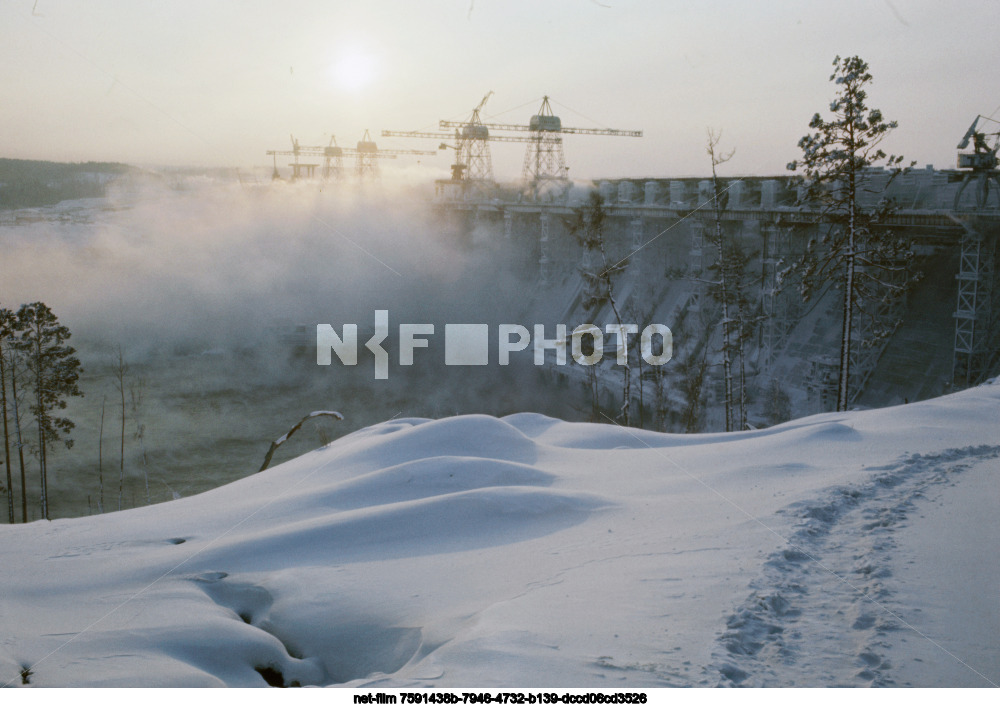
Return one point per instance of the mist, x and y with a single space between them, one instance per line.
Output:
219 263
212 291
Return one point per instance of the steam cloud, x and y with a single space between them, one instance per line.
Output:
219 264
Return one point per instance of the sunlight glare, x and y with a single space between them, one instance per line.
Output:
354 70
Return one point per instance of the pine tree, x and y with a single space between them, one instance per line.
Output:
6 333
729 289
53 372
743 321
11 376
854 252
119 370
642 318
723 287
13 362
588 226
100 457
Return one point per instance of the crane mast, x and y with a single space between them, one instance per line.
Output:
544 160
544 170
472 170
981 163
366 155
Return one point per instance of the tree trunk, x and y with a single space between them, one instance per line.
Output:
20 443
727 363
40 418
6 436
724 285
642 401
743 380
121 465
100 458
627 386
41 468
849 273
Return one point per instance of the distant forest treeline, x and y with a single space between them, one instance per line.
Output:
32 183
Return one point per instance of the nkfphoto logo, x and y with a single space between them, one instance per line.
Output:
470 344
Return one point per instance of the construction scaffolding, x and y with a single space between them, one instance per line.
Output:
977 329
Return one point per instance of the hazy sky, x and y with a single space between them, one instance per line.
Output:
218 82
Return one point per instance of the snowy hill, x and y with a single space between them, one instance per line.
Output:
841 549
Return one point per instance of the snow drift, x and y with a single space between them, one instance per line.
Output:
842 549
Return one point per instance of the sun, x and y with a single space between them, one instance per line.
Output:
354 70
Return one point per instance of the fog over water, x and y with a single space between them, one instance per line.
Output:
217 263
213 291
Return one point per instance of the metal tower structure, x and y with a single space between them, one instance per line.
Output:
366 155
982 165
473 147
333 160
299 169
472 170
977 314
333 157
544 160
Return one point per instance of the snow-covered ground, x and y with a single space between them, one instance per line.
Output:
837 550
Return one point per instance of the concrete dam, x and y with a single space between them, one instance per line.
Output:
942 335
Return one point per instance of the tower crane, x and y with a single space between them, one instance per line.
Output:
544 160
981 163
366 155
473 166
472 146
332 154
297 168
333 158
